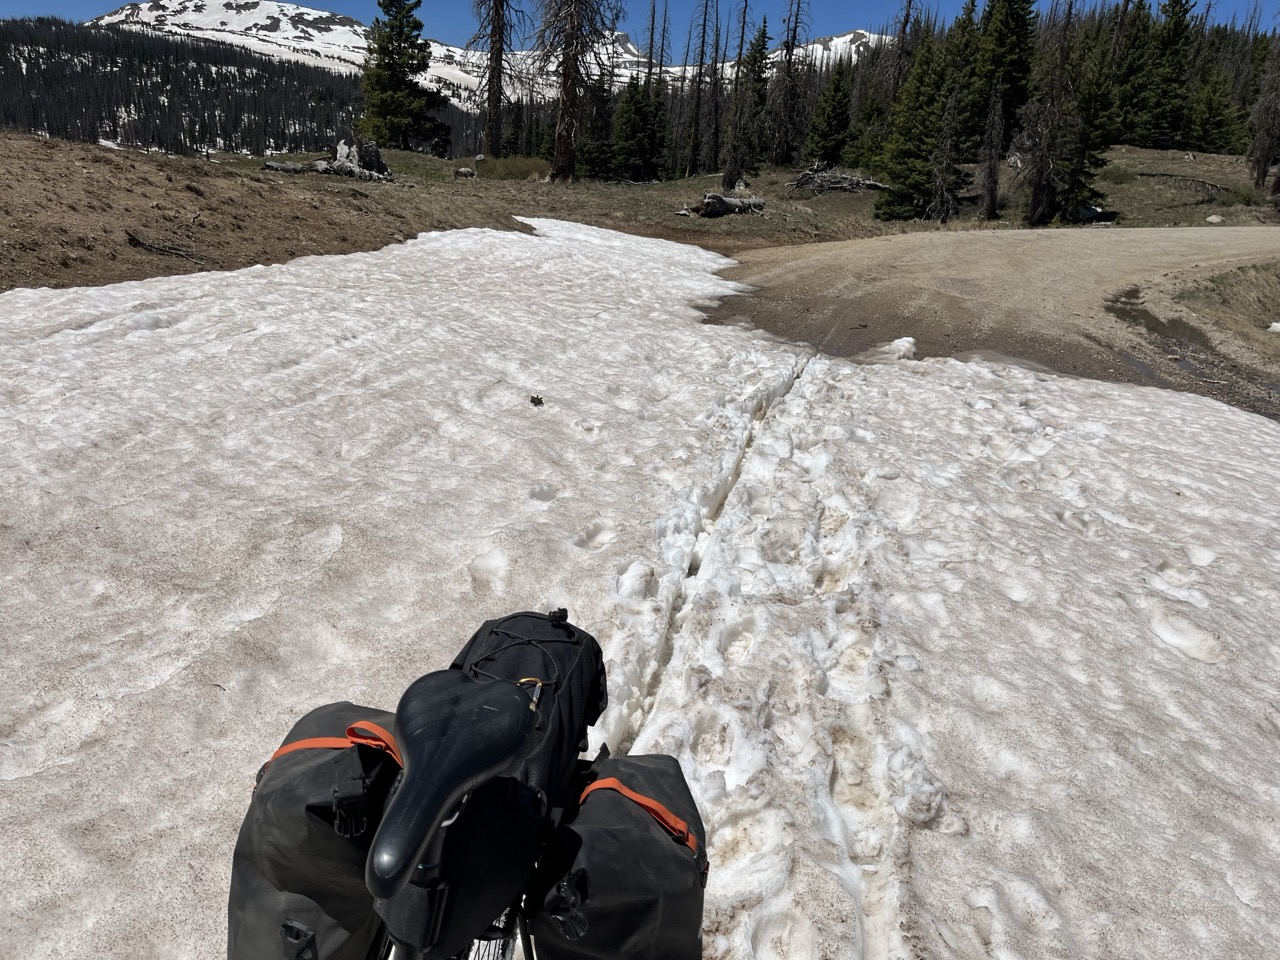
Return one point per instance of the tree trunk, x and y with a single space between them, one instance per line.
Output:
493 106
991 148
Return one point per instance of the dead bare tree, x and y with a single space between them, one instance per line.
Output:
497 20
568 37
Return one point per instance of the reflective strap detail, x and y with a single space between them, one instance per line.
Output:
363 732
381 738
666 819
327 743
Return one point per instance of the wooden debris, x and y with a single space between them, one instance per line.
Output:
819 178
1206 188
714 205
162 248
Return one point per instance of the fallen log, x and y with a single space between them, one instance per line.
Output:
715 205
1207 188
281 166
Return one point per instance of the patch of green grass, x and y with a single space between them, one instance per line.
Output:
1112 173
1240 197
408 165
511 168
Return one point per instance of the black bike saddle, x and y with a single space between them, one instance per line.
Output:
455 733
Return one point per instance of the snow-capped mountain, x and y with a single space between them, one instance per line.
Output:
265 26
338 42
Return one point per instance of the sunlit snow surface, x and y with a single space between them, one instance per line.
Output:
963 660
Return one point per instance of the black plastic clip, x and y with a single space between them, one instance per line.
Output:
299 941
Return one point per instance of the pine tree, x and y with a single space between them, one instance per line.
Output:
1060 142
785 110
829 129
744 141
496 20
397 109
1136 77
699 83
1216 124
871 103
989 159
1171 77
1265 119
962 43
639 133
1005 54
594 148
919 158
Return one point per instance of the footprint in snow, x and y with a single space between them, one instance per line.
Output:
544 492
1177 631
595 536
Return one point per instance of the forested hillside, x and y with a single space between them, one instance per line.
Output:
181 96
942 111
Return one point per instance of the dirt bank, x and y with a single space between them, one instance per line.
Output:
1094 303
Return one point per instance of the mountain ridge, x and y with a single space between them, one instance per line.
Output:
338 42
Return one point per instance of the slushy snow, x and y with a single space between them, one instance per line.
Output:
961 659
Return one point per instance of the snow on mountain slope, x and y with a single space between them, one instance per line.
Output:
338 42
275 29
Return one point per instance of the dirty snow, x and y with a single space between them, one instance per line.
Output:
963 660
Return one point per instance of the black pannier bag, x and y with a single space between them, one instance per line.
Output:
623 877
297 874
490 747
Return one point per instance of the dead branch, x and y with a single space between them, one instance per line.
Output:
1207 188
714 205
162 249
820 179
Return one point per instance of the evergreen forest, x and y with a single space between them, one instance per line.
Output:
76 82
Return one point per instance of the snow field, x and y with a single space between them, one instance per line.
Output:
228 498
960 659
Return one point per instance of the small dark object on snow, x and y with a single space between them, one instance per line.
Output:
536 400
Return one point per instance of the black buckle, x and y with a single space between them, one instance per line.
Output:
299 941
350 818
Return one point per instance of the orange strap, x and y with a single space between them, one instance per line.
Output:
666 819
362 732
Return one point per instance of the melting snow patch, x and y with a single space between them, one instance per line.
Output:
959 659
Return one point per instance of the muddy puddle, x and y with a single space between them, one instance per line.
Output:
1128 306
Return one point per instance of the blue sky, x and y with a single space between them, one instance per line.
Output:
454 23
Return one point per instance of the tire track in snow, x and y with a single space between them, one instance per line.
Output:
654 592
773 690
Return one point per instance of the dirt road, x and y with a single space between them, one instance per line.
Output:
1076 301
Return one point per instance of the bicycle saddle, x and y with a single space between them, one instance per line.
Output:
455 733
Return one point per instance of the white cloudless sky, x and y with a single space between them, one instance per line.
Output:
454 23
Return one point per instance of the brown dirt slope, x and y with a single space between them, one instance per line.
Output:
65 209
1109 304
